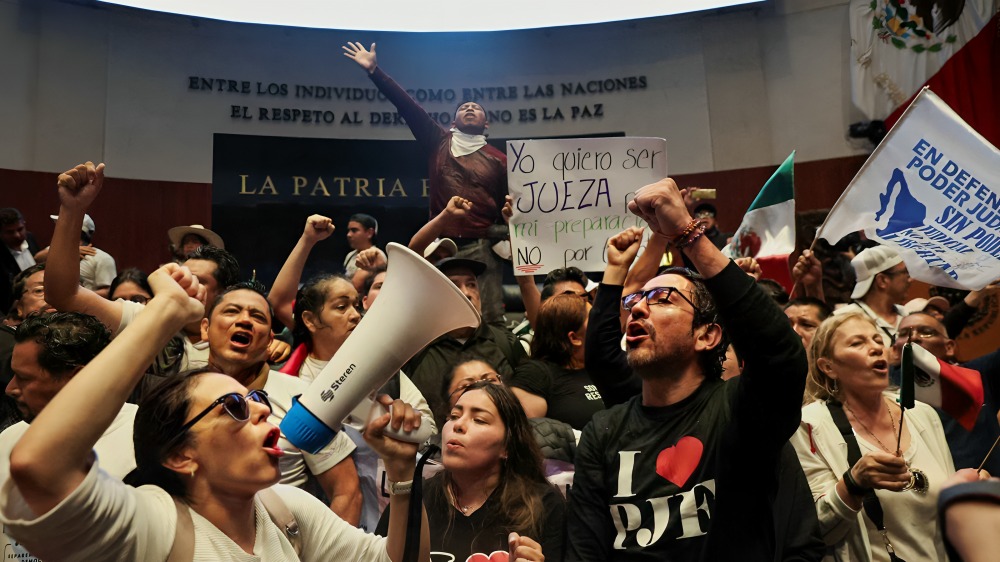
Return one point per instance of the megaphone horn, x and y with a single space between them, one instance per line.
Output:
414 294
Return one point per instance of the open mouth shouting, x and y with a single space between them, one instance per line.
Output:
271 443
635 333
881 367
241 339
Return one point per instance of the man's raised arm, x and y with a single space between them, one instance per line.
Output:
424 129
77 189
773 379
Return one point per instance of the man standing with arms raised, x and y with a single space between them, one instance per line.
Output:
459 163
687 469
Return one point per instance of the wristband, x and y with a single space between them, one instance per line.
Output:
400 488
686 231
698 232
852 485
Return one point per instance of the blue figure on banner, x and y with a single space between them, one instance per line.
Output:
907 212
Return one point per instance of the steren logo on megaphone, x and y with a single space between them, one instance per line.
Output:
378 347
327 395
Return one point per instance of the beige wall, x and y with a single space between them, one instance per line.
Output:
736 89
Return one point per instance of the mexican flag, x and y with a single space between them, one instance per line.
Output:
768 228
956 390
898 46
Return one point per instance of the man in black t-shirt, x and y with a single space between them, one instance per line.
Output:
686 470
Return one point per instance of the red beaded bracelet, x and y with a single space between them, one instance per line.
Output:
686 232
698 233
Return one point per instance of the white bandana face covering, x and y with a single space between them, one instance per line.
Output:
463 144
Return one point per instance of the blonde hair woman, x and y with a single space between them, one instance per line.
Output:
847 444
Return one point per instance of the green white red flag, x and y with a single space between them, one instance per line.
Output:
767 232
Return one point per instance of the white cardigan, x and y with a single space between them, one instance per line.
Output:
823 454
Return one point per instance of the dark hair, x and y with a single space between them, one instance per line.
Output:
366 221
440 404
706 208
312 297
227 269
156 435
252 286
557 317
68 340
366 285
10 215
705 313
21 279
520 507
822 308
773 290
130 275
463 102
573 274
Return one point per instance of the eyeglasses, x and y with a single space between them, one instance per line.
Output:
654 296
916 333
895 273
490 377
235 404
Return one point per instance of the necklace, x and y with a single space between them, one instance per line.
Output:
918 480
892 420
466 509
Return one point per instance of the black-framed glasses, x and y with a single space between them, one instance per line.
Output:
235 404
654 296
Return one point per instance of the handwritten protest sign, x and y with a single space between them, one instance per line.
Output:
570 196
932 190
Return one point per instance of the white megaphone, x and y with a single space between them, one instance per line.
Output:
417 304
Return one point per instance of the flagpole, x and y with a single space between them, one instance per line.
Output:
906 390
899 438
987 457
864 166
795 285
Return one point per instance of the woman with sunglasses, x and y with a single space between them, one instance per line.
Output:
202 440
897 467
553 383
492 494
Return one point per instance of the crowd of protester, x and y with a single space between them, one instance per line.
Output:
663 413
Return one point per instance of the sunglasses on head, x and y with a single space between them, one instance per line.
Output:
235 404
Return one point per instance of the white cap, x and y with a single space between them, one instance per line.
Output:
920 304
446 243
88 223
869 263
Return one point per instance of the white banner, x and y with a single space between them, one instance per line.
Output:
571 195
930 190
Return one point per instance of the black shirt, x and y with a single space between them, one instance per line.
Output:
455 536
570 394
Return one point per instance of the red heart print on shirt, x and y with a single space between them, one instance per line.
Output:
495 556
676 463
